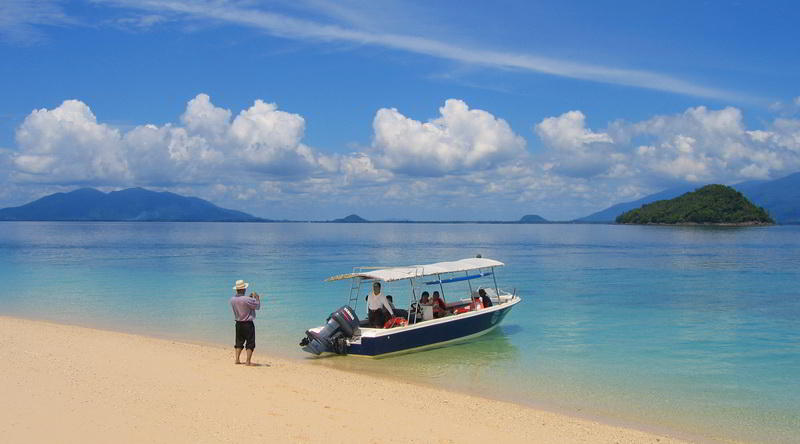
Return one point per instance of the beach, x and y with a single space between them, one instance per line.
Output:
66 383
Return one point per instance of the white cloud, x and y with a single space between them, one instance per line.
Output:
786 134
707 145
358 167
167 154
460 140
568 131
19 19
286 26
697 145
205 119
269 139
577 151
68 145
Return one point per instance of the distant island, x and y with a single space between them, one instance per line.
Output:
351 219
132 204
356 219
533 219
709 205
780 197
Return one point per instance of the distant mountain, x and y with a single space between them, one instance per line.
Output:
532 219
780 197
132 204
711 204
609 215
351 219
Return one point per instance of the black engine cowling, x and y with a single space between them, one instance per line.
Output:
341 324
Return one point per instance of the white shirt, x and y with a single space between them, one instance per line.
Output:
375 301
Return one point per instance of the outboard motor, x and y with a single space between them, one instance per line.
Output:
341 325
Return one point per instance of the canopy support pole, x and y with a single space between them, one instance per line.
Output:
413 302
496 290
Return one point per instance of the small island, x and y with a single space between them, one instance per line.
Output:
533 219
709 205
351 219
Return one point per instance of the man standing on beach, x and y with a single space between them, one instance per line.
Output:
244 310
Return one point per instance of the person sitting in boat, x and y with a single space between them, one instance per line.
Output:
425 298
485 300
376 302
425 306
439 306
398 312
476 303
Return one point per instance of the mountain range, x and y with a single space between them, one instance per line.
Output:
132 204
780 197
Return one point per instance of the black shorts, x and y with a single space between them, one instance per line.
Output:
376 318
245 335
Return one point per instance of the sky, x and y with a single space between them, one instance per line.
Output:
313 110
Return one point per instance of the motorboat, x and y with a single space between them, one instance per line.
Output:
473 306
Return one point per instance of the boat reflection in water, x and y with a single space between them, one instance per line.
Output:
477 365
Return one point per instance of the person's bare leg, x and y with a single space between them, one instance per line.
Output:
239 353
249 355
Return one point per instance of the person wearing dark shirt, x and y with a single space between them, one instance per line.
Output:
487 302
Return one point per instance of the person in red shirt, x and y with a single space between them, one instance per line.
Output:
439 306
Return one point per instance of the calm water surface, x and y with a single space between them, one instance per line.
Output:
689 329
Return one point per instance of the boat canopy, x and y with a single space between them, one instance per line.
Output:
417 271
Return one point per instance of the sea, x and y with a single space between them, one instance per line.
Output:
687 330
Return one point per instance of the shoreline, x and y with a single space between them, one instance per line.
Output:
71 353
702 224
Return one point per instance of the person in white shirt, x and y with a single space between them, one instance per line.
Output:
376 301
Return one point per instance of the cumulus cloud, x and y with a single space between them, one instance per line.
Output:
203 118
697 145
577 151
168 155
460 140
704 145
68 145
568 131
269 139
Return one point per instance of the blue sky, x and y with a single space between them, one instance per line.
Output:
422 110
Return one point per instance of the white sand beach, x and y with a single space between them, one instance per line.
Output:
74 384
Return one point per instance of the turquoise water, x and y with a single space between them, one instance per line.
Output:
689 329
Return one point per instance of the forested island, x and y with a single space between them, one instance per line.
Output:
710 205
